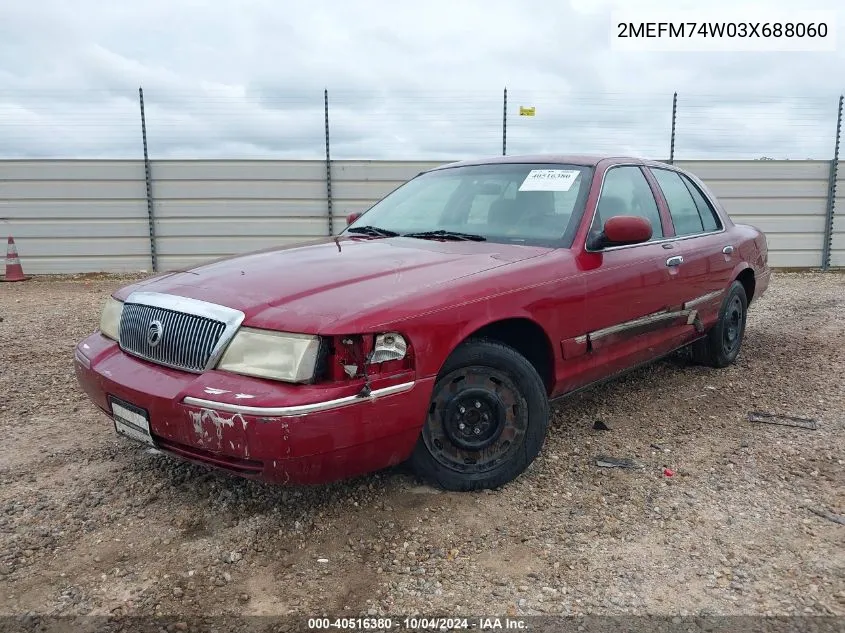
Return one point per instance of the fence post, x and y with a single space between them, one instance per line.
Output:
827 243
674 119
328 164
149 182
505 123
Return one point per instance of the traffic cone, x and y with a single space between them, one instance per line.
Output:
14 270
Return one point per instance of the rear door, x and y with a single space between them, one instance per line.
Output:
702 242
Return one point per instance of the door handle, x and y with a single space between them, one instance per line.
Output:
677 260
728 249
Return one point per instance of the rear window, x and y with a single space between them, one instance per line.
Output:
709 217
682 207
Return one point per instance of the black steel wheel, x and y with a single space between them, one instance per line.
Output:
721 346
487 419
734 320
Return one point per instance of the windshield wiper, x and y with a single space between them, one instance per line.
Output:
372 231
447 235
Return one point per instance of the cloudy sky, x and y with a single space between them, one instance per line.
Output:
245 78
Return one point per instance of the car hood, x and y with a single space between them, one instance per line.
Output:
307 287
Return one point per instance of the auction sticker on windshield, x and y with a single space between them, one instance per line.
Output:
549 180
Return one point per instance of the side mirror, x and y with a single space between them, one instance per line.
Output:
620 231
352 217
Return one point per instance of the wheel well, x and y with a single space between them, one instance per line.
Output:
529 339
746 278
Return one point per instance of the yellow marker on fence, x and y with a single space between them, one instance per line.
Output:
529 111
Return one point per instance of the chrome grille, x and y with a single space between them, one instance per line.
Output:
187 341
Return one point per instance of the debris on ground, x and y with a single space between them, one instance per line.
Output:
598 425
836 518
616 462
782 420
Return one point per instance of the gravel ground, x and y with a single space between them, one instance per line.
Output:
91 524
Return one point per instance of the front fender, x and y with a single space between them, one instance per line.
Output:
474 325
437 339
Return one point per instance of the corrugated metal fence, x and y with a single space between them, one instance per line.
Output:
87 215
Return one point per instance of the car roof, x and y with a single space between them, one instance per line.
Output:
588 160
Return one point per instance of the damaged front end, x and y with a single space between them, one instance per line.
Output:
283 407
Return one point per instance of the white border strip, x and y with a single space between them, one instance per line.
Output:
298 409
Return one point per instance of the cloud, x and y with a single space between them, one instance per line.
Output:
224 78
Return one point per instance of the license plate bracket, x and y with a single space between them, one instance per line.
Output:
131 421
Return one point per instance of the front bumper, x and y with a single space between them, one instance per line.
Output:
281 433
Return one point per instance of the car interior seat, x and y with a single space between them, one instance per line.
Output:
501 213
535 204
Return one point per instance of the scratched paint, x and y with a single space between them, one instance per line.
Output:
198 418
286 436
215 391
243 396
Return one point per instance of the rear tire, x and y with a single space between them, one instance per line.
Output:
722 344
487 419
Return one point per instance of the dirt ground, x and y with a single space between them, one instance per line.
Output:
93 524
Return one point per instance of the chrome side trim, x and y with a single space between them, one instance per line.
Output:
703 299
298 409
231 317
661 241
635 323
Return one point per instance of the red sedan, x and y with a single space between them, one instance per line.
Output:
435 329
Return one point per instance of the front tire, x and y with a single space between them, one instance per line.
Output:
487 420
721 346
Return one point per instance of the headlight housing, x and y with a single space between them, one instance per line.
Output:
390 346
270 354
110 318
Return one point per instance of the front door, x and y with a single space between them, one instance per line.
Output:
632 293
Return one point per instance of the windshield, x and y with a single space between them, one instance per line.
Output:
501 202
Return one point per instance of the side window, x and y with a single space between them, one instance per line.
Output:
682 207
625 191
709 218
